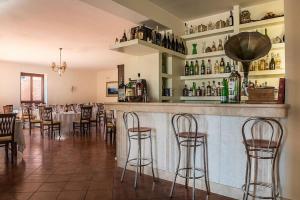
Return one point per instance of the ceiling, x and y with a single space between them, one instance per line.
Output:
32 31
192 9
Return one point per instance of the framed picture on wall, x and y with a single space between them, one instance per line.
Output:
112 89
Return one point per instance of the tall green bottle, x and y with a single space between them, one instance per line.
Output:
224 91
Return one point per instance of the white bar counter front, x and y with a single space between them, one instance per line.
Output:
223 125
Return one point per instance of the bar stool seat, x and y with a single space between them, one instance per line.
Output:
262 144
191 135
140 129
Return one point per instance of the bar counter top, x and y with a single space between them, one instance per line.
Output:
243 110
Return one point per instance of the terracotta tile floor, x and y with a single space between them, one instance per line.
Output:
77 168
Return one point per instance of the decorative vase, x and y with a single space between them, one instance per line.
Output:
194 51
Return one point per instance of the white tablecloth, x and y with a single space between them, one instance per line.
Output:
66 119
19 136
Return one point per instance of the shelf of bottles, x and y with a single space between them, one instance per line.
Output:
143 41
262 23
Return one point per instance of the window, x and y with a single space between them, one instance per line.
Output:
32 88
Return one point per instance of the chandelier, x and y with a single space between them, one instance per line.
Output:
61 68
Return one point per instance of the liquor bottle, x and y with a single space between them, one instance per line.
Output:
173 46
198 91
214 48
219 89
169 43
217 67
234 87
227 68
203 89
220 47
176 45
231 19
124 38
197 68
139 86
122 92
153 36
164 42
183 47
272 63
202 68
158 37
277 61
192 68
208 89
186 69
185 91
255 66
267 67
262 64
222 66
186 30
224 91
145 95
194 89
209 67
190 92
214 89
130 91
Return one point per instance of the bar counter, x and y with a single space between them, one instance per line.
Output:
221 122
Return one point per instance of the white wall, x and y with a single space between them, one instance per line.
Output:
293 97
59 88
104 76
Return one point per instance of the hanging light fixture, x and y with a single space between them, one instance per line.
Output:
61 68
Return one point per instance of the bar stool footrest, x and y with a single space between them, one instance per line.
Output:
145 162
261 185
183 170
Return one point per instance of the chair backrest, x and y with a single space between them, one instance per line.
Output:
100 109
86 113
41 110
109 116
262 134
7 125
131 120
185 128
25 109
47 114
8 109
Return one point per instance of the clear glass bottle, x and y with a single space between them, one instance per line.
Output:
214 48
214 89
209 67
203 89
208 89
217 67
277 61
220 47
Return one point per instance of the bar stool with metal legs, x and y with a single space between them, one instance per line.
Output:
262 139
185 128
137 133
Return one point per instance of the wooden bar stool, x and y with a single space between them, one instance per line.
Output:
185 128
137 133
262 139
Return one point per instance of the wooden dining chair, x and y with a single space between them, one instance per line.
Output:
96 121
84 123
7 130
25 114
8 109
110 125
33 120
48 124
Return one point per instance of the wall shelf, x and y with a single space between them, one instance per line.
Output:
208 33
278 46
206 55
138 47
269 73
201 98
165 75
201 77
262 23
